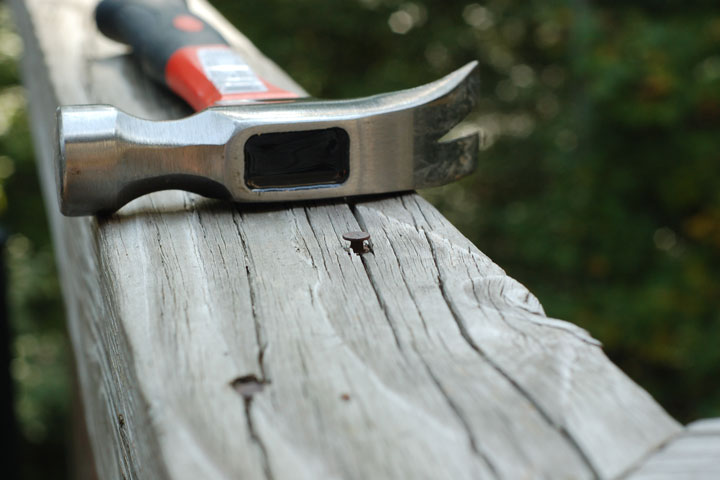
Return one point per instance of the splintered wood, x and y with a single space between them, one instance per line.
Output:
226 341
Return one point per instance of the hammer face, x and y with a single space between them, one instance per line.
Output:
269 152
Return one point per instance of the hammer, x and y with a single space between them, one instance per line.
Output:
251 140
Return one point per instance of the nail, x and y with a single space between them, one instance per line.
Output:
357 241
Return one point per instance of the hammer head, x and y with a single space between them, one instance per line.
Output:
269 152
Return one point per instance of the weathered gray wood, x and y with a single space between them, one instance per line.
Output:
82 463
709 425
692 455
220 341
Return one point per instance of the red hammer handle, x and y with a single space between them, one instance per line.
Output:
183 52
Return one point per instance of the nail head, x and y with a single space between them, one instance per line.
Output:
357 241
356 236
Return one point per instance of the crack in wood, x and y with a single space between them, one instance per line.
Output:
451 403
315 235
649 454
361 221
461 418
251 387
257 440
378 296
468 338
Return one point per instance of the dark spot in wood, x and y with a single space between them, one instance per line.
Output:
345 397
248 385
121 420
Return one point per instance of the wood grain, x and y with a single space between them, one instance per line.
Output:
692 455
226 341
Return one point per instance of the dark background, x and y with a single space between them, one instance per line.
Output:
597 186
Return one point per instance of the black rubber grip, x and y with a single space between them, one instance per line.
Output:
155 29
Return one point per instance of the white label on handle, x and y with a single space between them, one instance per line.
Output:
229 72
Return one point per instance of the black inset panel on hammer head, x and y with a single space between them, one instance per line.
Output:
297 159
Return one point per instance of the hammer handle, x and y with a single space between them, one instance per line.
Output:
180 50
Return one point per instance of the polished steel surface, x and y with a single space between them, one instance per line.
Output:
105 158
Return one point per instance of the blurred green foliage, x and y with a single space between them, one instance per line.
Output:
41 360
597 186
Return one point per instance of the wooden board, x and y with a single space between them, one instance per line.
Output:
227 341
692 455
